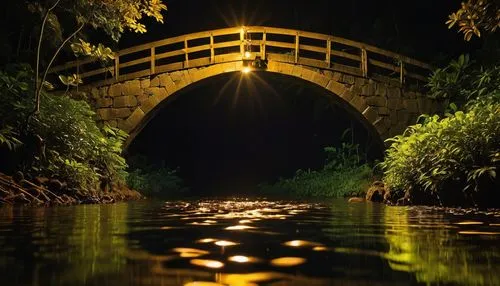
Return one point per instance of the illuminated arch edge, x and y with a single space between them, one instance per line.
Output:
348 96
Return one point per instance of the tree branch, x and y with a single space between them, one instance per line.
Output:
37 69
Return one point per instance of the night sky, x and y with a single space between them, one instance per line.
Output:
224 141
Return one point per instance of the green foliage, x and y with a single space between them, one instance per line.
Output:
462 149
324 183
344 174
461 81
153 179
474 16
65 141
9 138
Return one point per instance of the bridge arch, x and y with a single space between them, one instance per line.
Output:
372 83
163 87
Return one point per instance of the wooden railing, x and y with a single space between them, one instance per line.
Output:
240 43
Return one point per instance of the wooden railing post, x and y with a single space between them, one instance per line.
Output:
297 47
263 46
364 62
328 52
242 42
212 50
153 61
117 66
186 55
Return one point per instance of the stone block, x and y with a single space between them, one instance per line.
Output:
145 83
307 74
125 101
162 94
376 101
348 95
187 76
395 103
393 117
382 124
335 87
155 82
381 90
166 80
403 116
320 79
115 90
359 103
393 92
370 113
103 91
149 104
337 76
134 120
360 81
104 113
177 75
349 79
297 70
383 111
368 89
120 112
287 68
132 87
141 98
410 105
104 102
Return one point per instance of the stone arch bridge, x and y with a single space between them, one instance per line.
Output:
377 86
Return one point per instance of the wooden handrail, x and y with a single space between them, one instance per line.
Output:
164 55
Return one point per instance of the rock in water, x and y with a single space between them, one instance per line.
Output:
376 192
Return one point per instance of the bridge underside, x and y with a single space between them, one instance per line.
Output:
384 108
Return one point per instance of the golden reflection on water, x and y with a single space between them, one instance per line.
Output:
224 243
207 263
189 246
239 227
470 223
472 232
301 243
287 261
239 258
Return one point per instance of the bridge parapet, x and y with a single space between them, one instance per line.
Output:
246 43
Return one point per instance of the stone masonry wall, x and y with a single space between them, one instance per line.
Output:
386 106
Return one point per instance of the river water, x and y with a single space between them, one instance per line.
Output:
248 242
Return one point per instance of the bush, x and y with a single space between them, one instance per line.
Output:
449 161
63 141
153 179
343 175
463 81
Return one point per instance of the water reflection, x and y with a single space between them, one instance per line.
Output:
243 242
58 246
423 242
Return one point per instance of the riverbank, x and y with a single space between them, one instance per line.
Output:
18 191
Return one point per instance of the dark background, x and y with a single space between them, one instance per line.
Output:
228 141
